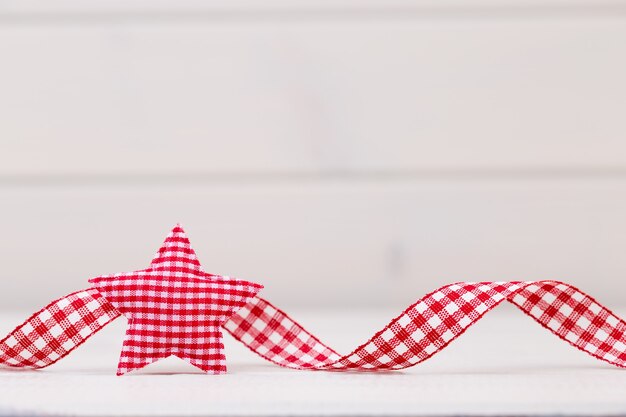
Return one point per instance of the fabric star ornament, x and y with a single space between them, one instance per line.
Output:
174 308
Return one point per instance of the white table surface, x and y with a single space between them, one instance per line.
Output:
506 364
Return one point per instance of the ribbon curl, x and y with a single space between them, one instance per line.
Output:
422 330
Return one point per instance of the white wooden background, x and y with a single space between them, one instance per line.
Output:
341 153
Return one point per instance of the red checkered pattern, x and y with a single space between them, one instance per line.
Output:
430 324
575 317
174 308
56 330
273 335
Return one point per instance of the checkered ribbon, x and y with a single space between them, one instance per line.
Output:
422 330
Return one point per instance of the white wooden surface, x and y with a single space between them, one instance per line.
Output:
321 244
505 365
383 148
187 96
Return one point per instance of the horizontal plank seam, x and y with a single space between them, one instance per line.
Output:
486 11
310 177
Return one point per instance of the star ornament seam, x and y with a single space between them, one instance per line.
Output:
174 308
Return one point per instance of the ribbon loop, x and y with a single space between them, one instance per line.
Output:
421 331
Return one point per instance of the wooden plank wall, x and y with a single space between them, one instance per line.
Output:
341 153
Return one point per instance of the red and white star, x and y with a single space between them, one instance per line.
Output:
174 308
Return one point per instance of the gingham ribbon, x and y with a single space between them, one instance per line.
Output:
421 331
